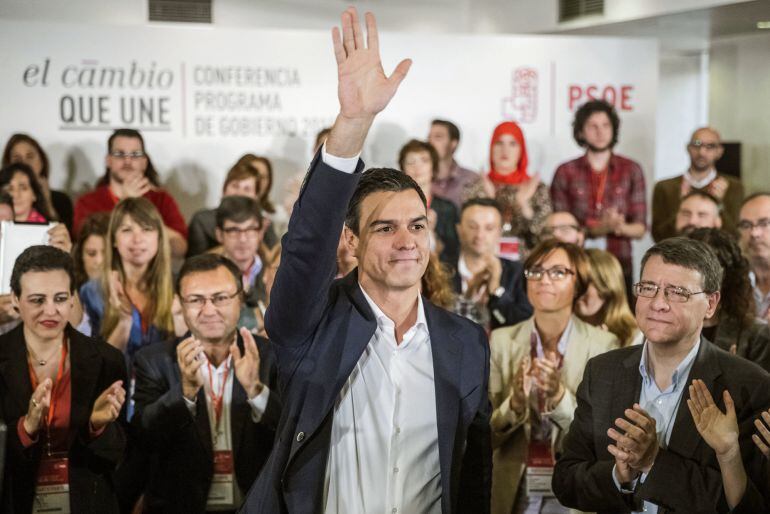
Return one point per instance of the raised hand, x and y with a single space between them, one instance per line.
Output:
363 88
547 377
638 444
719 430
190 358
38 407
763 442
59 237
247 365
118 297
135 187
107 406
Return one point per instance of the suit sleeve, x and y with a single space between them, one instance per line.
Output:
581 480
308 253
513 306
475 488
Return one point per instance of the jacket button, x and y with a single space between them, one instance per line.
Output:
300 436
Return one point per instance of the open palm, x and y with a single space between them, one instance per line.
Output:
364 90
718 429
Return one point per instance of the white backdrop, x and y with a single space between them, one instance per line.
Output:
204 96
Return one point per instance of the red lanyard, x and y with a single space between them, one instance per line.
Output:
54 390
218 400
598 185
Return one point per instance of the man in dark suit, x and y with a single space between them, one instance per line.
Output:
204 404
385 395
633 446
491 290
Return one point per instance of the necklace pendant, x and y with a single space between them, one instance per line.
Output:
41 362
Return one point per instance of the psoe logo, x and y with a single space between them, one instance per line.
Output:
521 106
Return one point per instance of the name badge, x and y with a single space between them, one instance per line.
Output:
540 465
509 248
52 490
221 492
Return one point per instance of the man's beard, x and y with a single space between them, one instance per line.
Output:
596 149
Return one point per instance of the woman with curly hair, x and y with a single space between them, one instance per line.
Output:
604 304
734 327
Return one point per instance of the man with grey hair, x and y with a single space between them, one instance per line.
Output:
633 446
705 149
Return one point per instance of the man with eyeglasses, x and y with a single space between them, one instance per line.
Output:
130 173
705 149
240 230
754 229
563 226
205 402
632 445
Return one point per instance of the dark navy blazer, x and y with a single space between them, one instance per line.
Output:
320 327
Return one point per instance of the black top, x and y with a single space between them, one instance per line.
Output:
62 204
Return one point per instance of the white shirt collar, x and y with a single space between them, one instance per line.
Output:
384 321
700 184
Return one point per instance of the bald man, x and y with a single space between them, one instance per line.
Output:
705 149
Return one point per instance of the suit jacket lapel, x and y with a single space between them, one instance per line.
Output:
84 375
240 411
628 386
576 355
446 352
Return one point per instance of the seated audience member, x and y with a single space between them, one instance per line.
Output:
130 174
60 395
698 209
754 229
29 203
722 434
264 169
131 305
25 149
523 198
629 447
240 228
419 160
705 149
734 327
604 190
205 402
535 369
604 303
563 226
243 179
490 290
88 256
451 180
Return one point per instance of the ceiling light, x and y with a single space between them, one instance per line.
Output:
763 24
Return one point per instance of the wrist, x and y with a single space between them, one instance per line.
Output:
516 407
254 391
557 397
732 454
190 391
30 428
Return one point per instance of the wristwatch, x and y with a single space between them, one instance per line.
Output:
500 291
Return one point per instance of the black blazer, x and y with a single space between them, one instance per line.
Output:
513 306
182 456
320 328
446 228
94 366
685 476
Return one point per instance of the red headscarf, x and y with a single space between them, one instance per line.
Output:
519 175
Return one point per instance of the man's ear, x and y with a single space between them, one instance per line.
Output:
713 300
218 234
351 240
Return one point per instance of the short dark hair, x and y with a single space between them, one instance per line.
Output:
375 180
208 262
754 196
700 193
481 202
238 209
691 254
454 132
585 111
149 172
417 146
576 255
41 258
40 204
5 199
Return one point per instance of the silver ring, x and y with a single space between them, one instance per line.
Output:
34 403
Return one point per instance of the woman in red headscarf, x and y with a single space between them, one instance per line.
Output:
523 198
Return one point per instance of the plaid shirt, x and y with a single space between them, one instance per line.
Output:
571 191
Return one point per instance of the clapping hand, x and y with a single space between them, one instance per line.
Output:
38 407
719 430
107 406
763 442
636 448
247 365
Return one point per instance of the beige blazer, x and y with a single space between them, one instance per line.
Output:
510 433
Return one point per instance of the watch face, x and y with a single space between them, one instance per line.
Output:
500 291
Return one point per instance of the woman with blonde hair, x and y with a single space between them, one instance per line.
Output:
131 304
604 303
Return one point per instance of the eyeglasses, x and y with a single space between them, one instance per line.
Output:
556 273
218 300
127 155
549 231
700 144
237 231
747 226
673 294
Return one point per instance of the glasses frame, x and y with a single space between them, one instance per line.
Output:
536 274
132 156
667 292
748 226
224 301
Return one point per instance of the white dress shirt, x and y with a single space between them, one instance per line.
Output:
383 455
221 439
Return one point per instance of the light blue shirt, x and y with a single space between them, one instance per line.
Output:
662 405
